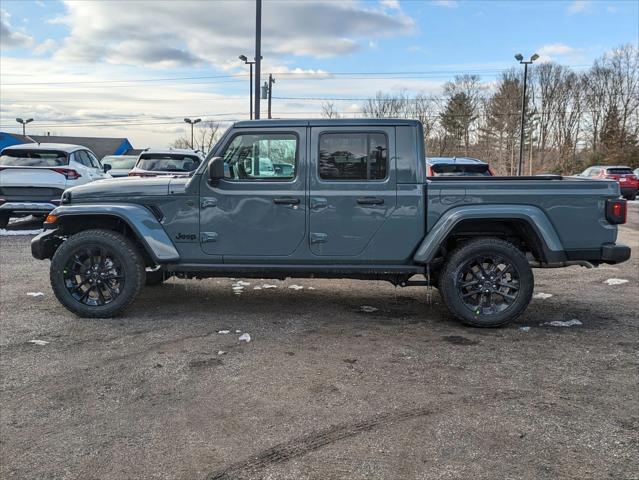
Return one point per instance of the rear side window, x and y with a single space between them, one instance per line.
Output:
353 156
33 158
168 162
619 171
261 156
82 157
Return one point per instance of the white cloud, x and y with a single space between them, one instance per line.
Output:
391 4
446 3
9 37
578 6
47 46
40 3
193 33
556 51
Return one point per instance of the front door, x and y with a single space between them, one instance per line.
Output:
259 208
352 189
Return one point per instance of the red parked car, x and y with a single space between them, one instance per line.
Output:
628 181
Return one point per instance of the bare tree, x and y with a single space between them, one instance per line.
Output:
204 138
329 110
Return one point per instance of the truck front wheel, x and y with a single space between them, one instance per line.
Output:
486 282
97 273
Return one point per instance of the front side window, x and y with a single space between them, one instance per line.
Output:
261 156
353 156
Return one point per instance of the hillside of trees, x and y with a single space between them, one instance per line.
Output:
574 118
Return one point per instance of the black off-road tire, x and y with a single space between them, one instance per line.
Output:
451 290
4 219
129 257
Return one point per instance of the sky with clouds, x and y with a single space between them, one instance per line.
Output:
137 68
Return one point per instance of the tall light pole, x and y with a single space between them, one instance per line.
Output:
250 64
258 54
24 124
520 58
192 122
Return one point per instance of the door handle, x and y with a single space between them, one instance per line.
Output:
286 201
370 201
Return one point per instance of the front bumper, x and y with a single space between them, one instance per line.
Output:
45 244
27 207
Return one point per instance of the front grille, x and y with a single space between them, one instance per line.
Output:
37 194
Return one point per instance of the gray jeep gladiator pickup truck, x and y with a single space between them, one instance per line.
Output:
328 199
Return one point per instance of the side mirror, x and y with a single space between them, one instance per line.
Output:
106 167
216 169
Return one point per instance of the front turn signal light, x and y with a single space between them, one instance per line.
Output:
51 218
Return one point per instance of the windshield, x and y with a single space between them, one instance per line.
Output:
451 170
169 162
123 163
33 158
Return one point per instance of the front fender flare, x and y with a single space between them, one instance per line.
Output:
141 221
533 216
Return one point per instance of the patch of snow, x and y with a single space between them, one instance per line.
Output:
368 309
257 288
616 281
221 352
35 294
296 287
268 285
8 233
311 288
558 323
542 296
245 337
238 331
241 283
524 329
224 332
39 342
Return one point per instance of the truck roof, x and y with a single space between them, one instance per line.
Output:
322 122
62 147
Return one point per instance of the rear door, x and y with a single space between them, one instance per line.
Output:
258 211
352 189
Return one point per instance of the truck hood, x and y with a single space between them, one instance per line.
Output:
127 187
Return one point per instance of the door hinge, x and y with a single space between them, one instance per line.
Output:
207 237
319 237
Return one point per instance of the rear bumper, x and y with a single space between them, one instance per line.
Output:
608 253
45 244
628 190
27 207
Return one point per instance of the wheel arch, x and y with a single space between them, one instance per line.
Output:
526 226
133 221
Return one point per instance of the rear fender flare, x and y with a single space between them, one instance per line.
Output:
533 216
139 219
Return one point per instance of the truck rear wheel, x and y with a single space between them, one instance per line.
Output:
97 273
4 219
487 282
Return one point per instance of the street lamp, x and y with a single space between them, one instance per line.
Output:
192 122
250 64
520 58
24 123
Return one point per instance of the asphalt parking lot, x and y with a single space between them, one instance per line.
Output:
325 389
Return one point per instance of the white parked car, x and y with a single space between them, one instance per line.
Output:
34 175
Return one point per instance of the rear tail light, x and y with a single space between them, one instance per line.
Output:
69 173
616 211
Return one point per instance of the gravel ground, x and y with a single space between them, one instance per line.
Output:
324 390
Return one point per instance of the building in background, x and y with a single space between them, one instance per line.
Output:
101 146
